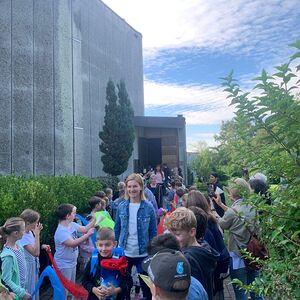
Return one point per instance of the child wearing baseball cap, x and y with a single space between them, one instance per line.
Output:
170 275
168 241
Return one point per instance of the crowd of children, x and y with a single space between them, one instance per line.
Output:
188 260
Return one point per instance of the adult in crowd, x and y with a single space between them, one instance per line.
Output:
238 220
160 181
151 198
156 189
167 173
135 226
176 175
216 187
176 198
170 196
152 185
109 200
159 173
260 176
180 173
259 186
119 199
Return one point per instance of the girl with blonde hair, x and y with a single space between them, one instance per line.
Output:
31 244
13 268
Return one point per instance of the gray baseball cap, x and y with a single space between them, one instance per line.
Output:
169 270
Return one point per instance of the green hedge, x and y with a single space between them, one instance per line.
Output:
44 194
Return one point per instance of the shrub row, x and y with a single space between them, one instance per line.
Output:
44 194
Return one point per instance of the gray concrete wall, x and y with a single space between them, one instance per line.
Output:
56 57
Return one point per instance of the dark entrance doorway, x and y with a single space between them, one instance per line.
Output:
150 153
154 152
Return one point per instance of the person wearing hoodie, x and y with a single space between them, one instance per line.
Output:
202 257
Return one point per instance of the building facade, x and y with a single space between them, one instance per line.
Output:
56 57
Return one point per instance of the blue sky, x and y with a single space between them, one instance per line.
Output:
189 44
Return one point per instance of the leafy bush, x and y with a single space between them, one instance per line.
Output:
264 135
44 194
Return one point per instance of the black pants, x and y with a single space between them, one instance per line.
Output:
137 261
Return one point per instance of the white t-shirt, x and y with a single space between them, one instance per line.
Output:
66 257
28 239
219 191
159 177
132 245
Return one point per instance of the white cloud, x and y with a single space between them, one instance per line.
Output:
170 94
215 25
209 103
209 117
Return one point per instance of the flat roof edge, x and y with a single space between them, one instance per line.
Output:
163 122
121 18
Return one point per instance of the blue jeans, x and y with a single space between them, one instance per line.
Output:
137 261
246 277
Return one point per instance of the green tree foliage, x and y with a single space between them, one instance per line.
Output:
127 128
264 135
117 135
228 143
203 164
208 160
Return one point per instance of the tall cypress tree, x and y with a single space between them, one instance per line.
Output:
127 129
117 134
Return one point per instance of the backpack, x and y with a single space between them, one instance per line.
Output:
255 248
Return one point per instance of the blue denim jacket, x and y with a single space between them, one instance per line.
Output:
146 224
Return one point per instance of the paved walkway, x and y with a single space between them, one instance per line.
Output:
228 290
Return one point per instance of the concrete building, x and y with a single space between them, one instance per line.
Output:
56 57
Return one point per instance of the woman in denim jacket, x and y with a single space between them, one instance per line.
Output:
135 226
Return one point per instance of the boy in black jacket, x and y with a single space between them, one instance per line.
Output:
92 280
182 223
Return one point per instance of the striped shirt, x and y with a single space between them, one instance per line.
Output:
21 264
